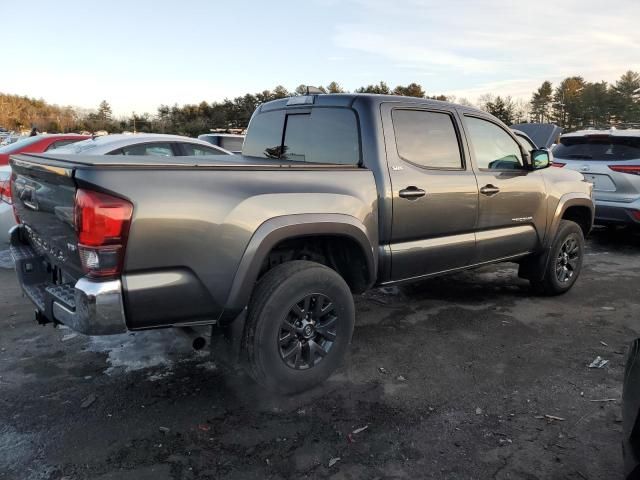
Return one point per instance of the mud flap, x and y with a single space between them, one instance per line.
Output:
534 266
227 341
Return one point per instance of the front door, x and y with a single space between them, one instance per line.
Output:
512 206
435 194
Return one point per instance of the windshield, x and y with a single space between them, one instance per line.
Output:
14 147
598 147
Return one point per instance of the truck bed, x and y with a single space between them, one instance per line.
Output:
150 161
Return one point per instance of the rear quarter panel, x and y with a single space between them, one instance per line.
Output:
197 223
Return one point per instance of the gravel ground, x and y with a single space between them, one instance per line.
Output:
454 378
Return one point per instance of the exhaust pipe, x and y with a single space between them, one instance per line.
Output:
198 342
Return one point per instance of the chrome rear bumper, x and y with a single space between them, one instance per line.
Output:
89 307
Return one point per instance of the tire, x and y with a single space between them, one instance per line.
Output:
294 312
562 268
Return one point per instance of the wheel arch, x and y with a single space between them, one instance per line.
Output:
576 207
280 229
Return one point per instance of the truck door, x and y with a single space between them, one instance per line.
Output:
512 205
435 194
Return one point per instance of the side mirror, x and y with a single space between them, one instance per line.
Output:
541 158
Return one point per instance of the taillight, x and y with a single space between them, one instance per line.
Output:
5 191
558 164
102 224
631 169
635 214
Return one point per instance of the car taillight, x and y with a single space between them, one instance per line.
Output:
5 191
631 169
635 214
558 164
102 224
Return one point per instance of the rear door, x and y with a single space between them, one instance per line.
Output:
435 194
512 205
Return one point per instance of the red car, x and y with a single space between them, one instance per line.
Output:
39 144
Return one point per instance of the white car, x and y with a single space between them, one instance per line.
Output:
7 220
144 144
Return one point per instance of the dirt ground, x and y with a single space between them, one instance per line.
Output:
450 378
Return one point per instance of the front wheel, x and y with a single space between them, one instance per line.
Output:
565 260
299 326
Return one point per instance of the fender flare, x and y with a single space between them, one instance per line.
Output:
534 267
277 229
566 201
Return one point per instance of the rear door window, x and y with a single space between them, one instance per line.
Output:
322 135
427 139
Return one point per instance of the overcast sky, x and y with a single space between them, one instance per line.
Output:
138 54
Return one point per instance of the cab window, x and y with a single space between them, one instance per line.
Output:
427 139
494 148
321 135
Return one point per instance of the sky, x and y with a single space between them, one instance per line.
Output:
138 54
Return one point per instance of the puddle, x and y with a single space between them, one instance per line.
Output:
136 351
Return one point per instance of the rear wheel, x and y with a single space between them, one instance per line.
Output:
299 326
565 260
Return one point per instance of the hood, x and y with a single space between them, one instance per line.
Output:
543 134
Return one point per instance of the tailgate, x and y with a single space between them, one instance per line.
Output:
44 195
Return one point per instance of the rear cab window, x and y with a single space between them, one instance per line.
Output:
324 135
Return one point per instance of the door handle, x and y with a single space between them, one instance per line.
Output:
489 190
412 193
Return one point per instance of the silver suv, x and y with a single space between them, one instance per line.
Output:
610 159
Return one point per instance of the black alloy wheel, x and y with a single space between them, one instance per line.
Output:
308 331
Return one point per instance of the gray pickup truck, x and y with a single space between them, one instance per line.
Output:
333 194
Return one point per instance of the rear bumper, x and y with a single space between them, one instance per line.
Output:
89 307
616 212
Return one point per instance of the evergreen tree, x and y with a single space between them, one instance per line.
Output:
411 90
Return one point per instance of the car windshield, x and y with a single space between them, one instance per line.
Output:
14 147
598 147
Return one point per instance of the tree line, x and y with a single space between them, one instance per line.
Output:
574 103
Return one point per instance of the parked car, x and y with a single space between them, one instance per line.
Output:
38 144
544 135
10 138
228 141
144 144
610 159
7 220
333 194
